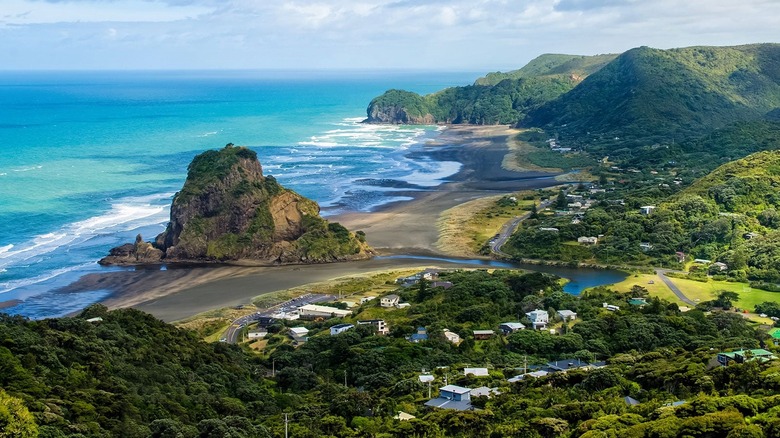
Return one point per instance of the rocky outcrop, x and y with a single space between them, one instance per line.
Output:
397 115
228 211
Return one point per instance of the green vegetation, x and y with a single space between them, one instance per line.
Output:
576 66
648 96
210 167
130 375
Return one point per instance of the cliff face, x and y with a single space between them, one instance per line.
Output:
396 114
227 211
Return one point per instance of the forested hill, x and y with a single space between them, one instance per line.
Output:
648 95
576 66
498 98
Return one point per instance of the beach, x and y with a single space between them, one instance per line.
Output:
404 227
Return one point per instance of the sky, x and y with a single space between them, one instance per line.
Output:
455 35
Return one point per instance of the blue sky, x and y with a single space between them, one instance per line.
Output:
465 35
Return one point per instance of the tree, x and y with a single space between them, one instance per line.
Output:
726 298
561 202
15 420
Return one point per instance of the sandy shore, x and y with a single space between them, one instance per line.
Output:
407 227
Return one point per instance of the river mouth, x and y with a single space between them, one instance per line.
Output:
579 278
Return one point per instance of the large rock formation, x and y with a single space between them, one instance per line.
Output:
228 211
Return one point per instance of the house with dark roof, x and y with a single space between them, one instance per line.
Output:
419 336
510 327
452 397
565 365
742 356
340 328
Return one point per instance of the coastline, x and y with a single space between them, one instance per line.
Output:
402 227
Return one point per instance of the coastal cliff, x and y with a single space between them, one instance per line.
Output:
228 211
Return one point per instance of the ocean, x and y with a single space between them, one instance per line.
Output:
90 159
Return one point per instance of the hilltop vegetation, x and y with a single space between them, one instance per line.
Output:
498 98
650 96
130 375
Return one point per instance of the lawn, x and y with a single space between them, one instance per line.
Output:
748 296
656 289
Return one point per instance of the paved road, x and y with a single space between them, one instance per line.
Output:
509 228
231 336
662 273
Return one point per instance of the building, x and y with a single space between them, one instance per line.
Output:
721 266
742 356
645 246
258 333
380 324
610 307
551 229
702 261
637 302
482 335
564 365
630 401
403 416
265 321
510 327
340 328
567 315
419 336
95 319
587 240
425 378
476 372
647 209
452 337
364 300
299 334
452 397
539 318
312 311
403 305
484 391
775 334
390 300
442 284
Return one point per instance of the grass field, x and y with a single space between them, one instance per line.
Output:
465 228
748 296
657 288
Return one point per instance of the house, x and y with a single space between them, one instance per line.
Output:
680 256
425 378
403 416
775 334
721 266
510 327
574 205
564 365
647 209
630 401
750 235
389 300
364 300
702 261
95 319
452 397
451 337
567 315
313 311
403 305
742 356
340 328
442 284
419 336
299 334
587 240
637 302
610 307
535 374
476 372
539 318
484 391
553 230
258 333
380 324
482 335
645 246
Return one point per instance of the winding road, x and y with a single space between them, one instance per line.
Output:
509 228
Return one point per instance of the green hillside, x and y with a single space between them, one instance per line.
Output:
552 64
128 375
650 96
498 98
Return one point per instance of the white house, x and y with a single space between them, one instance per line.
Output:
587 240
452 397
567 315
539 318
647 209
389 300
340 328
299 333
476 372
257 333
366 299
452 336
610 307
380 324
313 311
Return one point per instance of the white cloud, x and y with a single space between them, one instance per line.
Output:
463 34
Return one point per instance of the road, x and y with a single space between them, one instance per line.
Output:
233 332
509 228
662 273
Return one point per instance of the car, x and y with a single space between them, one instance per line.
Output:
223 340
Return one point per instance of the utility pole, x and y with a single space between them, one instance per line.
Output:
525 363
429 389
345 377
273 368
285 425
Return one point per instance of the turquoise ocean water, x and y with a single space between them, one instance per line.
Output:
90 159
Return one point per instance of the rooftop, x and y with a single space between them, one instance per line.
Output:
455 389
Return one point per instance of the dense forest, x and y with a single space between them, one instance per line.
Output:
127 374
